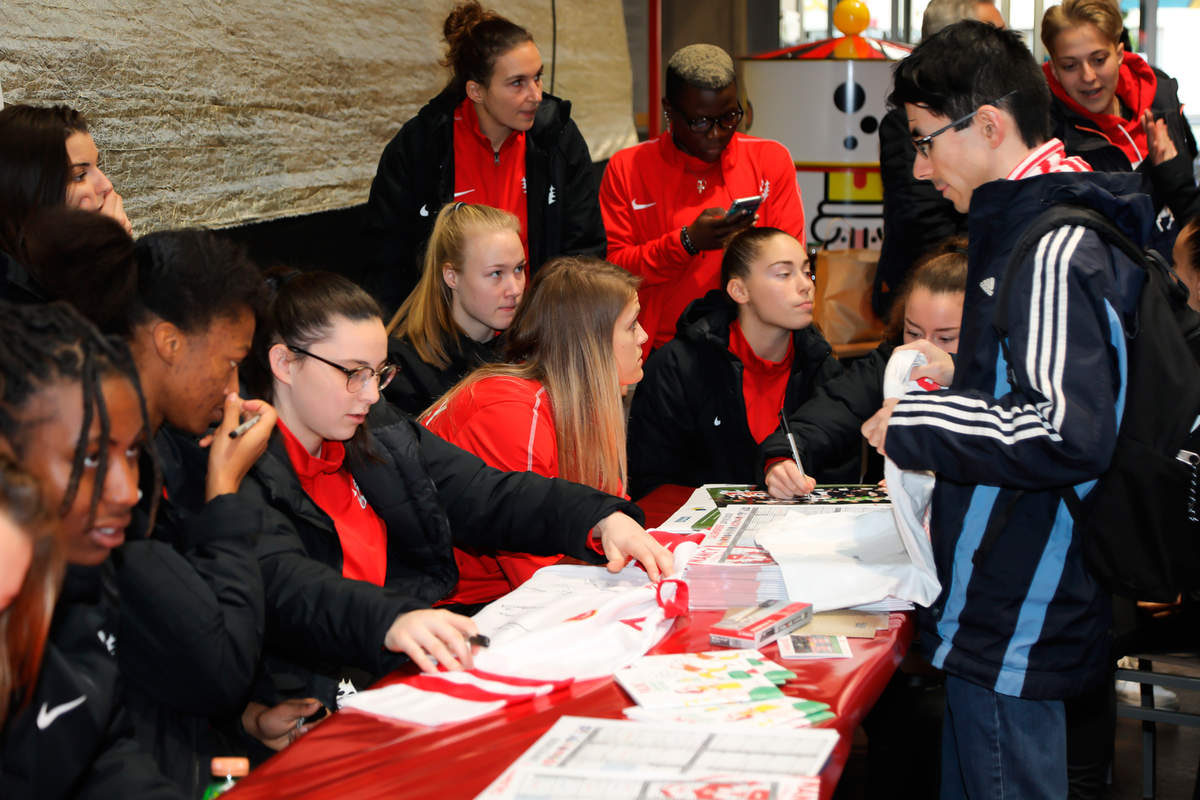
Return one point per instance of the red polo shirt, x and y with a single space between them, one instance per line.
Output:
360 531
482 175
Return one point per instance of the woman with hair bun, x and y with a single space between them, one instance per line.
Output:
493 137
573 350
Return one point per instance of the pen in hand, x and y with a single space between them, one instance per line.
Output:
245 426
787 429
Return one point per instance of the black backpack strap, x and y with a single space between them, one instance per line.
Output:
1052 219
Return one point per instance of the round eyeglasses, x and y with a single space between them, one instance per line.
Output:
356 379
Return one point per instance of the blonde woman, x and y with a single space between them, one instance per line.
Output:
555 409
470 288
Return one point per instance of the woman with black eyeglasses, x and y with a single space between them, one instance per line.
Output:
668 203
360 519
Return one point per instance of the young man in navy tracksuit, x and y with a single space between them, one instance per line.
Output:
1020 625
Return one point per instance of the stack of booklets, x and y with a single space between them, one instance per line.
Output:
717 686
730 569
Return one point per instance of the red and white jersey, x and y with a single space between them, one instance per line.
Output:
653 189
1048 157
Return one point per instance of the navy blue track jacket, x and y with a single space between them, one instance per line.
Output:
1027 620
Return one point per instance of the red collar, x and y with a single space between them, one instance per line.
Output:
1136 87
305 463
466 112
740 347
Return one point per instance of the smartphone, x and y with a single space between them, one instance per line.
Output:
744 204
316 716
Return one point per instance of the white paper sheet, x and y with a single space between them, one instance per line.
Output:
845 560
579 748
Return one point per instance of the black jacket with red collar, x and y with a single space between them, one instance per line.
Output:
687 423
415 179
1172 183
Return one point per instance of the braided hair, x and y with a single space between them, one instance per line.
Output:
42 344
25 623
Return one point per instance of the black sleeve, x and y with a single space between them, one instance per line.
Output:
394 228
1173 185
490 509
915 215
660 430
122 769
829 424
192 613
583 227
312 611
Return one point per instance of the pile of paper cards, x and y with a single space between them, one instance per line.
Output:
725 686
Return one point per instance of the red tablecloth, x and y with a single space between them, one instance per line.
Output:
355 755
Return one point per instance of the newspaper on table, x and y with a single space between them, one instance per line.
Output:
620 759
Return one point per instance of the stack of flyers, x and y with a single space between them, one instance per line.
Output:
730 569
806 646
708 678
783 712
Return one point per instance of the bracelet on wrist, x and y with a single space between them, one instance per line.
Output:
687 243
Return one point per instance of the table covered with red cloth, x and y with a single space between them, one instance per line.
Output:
354 755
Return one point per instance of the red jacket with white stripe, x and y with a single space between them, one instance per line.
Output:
508 422
653 189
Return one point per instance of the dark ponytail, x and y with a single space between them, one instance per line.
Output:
475 38
300 311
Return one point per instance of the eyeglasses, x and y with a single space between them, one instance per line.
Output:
922 144
357 378
729 121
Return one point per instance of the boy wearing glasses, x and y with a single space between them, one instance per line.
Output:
665 202
1020 625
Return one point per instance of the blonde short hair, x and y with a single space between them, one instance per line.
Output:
1104 14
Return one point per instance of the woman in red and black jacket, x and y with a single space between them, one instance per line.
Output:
360 518
493 137
1114 109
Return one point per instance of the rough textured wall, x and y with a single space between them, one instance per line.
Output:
221 112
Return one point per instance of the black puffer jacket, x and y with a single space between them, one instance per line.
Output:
1172 183
74 739
687 424
415 179
431 495
830 424
417 383
192 614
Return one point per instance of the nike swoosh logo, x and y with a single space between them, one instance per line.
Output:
639 206
47 715
464 191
